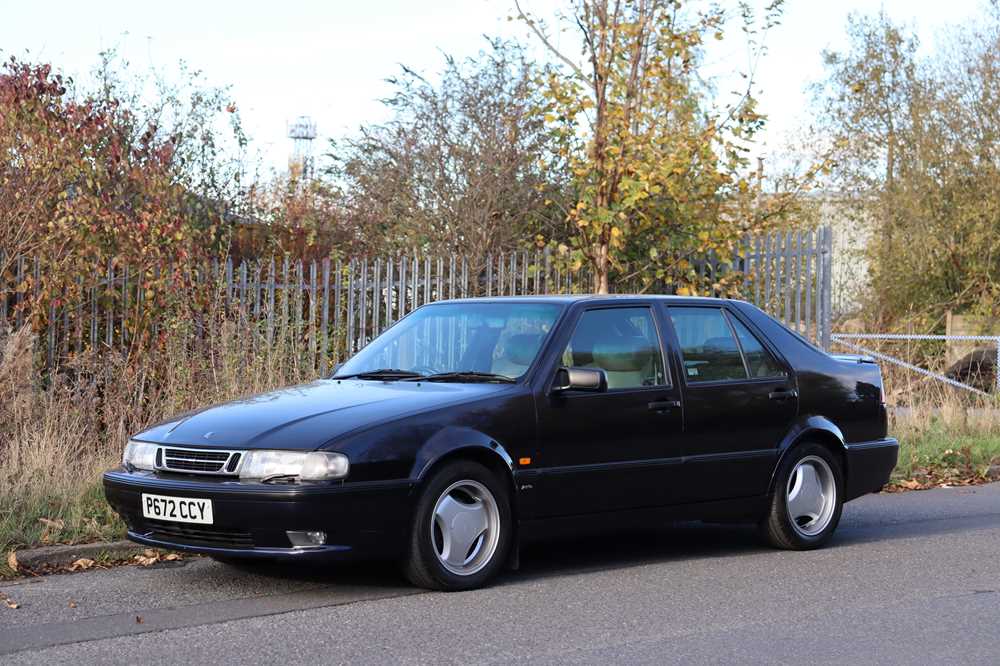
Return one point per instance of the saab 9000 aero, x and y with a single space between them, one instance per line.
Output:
474 424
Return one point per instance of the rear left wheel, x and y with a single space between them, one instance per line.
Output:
462 529
807 501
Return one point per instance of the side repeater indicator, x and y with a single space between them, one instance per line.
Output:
523 461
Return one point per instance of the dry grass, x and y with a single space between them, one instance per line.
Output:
59 432
946 435
947 442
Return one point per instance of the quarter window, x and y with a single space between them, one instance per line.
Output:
708 346
760 363
621 341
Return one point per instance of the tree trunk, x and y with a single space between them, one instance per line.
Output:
601 270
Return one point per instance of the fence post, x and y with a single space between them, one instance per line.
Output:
109 294
377 297
414 281
827 286
363 305
809 281
3 289
325 317
996 365
312 315
350 309
798 281
337 277
271 277
388 292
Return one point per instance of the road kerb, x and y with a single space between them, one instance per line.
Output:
54 557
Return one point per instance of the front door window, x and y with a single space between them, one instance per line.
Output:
621 341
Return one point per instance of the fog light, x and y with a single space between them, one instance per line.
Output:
306 539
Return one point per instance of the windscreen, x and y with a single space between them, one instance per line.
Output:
497 338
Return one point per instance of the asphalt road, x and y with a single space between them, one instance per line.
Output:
911 577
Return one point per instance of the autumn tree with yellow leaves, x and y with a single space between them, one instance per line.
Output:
659 172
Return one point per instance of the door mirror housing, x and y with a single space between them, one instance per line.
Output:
580 379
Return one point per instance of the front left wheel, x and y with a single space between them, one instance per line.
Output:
462 529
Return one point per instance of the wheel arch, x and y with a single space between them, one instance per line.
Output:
465 444
817 429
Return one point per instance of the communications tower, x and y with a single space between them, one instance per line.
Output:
301 131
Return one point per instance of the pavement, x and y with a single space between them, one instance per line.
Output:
909 577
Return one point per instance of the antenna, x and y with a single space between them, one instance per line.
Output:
301 131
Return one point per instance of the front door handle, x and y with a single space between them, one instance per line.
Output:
783 394
663 405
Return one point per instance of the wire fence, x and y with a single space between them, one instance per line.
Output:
852 341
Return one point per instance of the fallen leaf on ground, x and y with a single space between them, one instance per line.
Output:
81 564
71 604
10 603
170 557
146 558
56 524
138 619
12 560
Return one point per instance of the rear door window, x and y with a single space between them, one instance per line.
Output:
708 346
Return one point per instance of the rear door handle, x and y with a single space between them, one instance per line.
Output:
663 405
783 394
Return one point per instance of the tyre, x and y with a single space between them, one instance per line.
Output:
462 529
807 501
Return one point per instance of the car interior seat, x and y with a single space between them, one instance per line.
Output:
628 362
721 359
517 354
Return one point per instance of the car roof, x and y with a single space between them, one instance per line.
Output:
566 299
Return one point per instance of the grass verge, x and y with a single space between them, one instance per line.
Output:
941 458
59 516
60 431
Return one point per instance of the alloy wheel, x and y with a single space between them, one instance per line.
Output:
811 496
465 527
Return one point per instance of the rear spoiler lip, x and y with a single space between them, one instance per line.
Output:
854 358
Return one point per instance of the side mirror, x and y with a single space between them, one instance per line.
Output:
580 379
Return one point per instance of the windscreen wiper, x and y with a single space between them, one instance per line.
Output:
464 375
382 373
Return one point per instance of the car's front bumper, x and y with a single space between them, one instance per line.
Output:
869 466
251 519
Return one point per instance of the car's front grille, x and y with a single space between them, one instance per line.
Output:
195 461
202 535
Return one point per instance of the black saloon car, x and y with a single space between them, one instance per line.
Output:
474 424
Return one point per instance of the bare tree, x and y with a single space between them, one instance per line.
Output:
457 168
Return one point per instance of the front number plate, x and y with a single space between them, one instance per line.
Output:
177 509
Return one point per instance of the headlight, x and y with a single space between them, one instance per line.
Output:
315 466
140 455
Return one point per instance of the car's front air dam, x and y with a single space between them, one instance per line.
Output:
251 519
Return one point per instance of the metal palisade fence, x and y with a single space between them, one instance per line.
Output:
332 307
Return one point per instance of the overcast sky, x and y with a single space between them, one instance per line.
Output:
329 59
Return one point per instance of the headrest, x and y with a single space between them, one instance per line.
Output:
624 355
521 349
